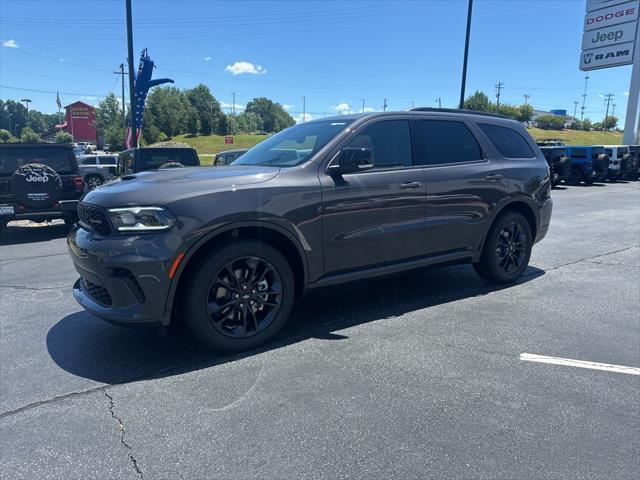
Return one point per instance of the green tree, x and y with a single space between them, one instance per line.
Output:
114 135
274 118
551 122
193 121
167 109
5 135
478 101
63 137
207 108
108 112
525 113
610 122
585 125
29 136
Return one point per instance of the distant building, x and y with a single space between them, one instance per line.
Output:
79 121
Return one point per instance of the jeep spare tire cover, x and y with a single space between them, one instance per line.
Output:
36 185
171 164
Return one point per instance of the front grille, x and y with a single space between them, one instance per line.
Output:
98 293
94 218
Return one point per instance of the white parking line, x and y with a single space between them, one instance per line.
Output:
567 362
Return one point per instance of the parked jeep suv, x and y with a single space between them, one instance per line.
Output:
320 203
38 181
151 158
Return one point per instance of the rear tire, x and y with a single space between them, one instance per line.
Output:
506 250
575 177
238 298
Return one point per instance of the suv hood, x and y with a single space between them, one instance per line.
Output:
161 187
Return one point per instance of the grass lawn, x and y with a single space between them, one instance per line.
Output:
577 137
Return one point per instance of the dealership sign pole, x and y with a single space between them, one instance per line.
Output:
610 39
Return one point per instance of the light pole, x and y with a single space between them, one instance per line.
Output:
27 101
466 54
132 86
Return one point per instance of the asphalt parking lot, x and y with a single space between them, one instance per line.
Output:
419 376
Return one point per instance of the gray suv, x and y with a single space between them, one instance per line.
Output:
228 249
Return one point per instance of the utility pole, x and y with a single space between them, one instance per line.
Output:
27 101
122 73
413 104
613 110
526 99
363 105
233 112
349 109
304 109
132 86
575 108
384 105
584 96
499 86
608 97
466 54
439 100
632 119
211 121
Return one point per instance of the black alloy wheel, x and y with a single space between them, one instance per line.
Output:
244 297
507 249
237 295
510 251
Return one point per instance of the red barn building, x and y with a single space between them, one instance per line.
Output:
80 122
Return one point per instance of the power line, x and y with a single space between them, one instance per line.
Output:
499 86
584 96
608 97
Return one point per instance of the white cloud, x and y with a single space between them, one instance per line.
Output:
11 43
245 67
369 109
626 94
286 106
228 106
206 59
307 117
342 108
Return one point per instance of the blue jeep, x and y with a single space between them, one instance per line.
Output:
588 164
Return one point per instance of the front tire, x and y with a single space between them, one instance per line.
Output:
507 249
240 297
575 177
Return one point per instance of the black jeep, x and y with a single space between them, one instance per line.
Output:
152 158
38 181
559 163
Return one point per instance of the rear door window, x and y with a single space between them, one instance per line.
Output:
445 141
509 143
389 141
89 161
61 160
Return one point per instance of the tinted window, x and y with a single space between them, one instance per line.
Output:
107 160
389 141
62 161
579 153
609 151
441 141
89 161
509 143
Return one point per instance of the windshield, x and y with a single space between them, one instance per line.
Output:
293 146
57 158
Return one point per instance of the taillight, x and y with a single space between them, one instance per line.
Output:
78 183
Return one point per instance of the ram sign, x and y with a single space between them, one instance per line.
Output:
610 31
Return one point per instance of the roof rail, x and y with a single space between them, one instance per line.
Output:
456 110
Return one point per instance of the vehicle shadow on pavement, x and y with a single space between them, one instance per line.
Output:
90 348
16 235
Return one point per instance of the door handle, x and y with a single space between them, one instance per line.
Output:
411 185
493 178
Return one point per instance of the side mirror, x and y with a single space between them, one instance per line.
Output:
351 160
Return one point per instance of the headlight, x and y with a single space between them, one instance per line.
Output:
141 219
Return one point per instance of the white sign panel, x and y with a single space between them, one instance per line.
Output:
597 4
611 56
613 35
624 12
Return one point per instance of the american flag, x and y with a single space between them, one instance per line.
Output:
141 97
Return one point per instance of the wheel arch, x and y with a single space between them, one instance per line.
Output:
525 208
275 235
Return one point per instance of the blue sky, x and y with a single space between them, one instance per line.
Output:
335 53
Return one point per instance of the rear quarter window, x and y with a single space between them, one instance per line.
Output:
61 160
507 141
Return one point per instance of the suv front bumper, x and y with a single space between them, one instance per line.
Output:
124 279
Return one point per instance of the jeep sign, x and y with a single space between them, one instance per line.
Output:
604 57
613 35
625 12
610 31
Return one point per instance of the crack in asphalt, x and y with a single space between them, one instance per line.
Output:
133 459
37 289
313 332
14 260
